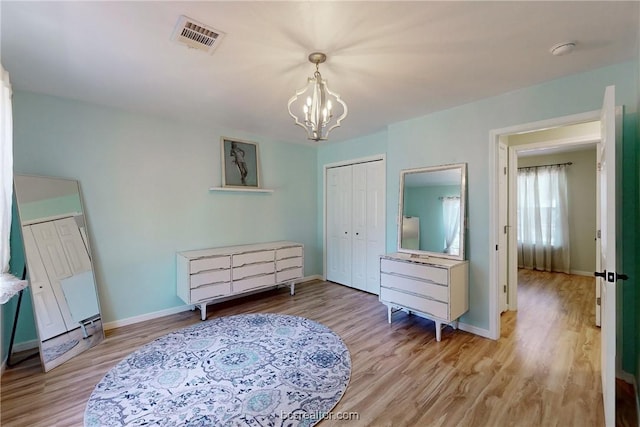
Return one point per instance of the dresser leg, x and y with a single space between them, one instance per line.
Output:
292 286
203 311
389 313
438 331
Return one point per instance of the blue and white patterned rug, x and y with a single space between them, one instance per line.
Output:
250 369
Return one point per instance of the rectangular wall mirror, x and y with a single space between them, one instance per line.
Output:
433 210
59 266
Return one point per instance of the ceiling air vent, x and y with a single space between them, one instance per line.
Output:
196 35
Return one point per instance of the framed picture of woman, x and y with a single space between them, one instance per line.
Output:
240 166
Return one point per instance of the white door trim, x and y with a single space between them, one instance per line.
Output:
494 226
367 159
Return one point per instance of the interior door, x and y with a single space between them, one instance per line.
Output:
607 278
376 223
503 190
56 264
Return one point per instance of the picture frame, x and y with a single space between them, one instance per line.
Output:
240 163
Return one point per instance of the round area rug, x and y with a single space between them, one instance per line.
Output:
250 369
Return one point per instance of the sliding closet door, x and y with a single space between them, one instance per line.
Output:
376 223
339 183
356 224
359 221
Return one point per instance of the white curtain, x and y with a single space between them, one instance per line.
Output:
543 221
6 168
451 218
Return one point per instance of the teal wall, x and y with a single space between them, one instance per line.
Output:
144 181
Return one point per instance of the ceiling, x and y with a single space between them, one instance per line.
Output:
390 61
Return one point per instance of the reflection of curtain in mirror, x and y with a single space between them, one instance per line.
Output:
543 220
6 168
451 218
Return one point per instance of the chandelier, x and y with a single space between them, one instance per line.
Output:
316 103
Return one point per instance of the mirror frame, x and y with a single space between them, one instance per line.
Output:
99 334
463 210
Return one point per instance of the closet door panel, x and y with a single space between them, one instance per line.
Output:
55 263
375 223
339 225
359 223
49 317
73 245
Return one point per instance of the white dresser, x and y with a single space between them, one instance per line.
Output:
207 275
436 288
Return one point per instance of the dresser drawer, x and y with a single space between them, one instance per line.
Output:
283 264
209 263
426 272
402 283
210 291
253 270
210 277
427 306
291 274
289 252
254 283
252 257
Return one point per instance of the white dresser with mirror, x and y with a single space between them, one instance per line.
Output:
429 275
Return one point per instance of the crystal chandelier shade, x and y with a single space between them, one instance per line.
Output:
316 104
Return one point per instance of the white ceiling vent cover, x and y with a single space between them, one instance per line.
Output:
196 35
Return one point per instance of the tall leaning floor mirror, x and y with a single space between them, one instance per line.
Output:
59 267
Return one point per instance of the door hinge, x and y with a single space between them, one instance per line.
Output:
599 234
496 247
506 227
504 289
598 301
505 170
599 167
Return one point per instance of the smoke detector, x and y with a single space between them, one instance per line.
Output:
196 35
562 48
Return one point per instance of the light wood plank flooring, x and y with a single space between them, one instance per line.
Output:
544 370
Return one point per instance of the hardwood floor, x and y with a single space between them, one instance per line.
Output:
543 371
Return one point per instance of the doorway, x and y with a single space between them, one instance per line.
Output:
555 134
573 150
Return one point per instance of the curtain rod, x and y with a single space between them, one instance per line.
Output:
542 166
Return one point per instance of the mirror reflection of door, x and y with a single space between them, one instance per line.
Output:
60 271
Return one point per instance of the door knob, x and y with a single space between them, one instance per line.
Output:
603 274
622 277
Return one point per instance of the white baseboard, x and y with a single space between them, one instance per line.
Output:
145 317
581 273
178 309
485 333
